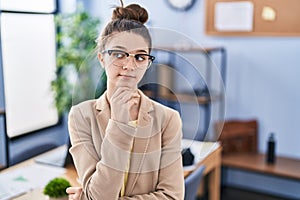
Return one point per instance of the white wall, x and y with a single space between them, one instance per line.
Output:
262 72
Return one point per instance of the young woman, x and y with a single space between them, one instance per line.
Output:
124 145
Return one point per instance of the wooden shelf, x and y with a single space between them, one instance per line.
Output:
188 49
284 167
182 97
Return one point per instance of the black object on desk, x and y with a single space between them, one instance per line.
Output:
271 149
187 157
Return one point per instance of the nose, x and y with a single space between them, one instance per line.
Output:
129 63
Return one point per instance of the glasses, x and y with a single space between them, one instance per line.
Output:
119 58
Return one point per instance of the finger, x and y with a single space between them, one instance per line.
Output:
72 190
136 95
118 96
125 96
132 102
69 190
118 91
135 98
76 195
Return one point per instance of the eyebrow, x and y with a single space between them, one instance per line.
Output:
123 48
119 47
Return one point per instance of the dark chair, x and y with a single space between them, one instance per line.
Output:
192 183
30 152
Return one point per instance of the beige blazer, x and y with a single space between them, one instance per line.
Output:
101 150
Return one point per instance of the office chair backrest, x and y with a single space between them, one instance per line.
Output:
192 183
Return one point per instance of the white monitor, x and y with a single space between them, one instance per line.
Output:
28 57
32 6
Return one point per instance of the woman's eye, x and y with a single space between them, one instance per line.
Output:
118 55
140 57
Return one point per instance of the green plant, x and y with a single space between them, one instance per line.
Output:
76 41
57 188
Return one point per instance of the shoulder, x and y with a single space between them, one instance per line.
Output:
84 108
85 105
164 109
166 114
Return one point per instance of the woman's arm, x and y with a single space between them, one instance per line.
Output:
101 178
171 179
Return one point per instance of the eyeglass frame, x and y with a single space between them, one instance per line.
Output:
110 51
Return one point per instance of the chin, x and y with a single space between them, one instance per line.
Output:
127 84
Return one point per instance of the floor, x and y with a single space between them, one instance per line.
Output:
229 193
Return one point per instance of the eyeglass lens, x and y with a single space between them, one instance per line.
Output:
119 58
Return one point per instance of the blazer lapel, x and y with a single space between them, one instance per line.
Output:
103 108
144 131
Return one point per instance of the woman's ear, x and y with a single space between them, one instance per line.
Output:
101 59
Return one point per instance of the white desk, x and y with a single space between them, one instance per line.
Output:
206 153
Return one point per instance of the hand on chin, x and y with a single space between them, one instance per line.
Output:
126 83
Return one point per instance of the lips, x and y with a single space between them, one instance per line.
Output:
127 76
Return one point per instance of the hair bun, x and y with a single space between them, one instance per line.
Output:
131 12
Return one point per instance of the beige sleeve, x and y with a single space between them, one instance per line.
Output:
101 178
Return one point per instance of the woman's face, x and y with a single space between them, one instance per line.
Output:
123 70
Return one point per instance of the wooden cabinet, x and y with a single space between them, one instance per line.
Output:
238 136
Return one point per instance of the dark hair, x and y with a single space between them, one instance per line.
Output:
130 19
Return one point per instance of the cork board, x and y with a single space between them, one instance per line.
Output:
270 18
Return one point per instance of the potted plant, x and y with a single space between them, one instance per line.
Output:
75 42
56 189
